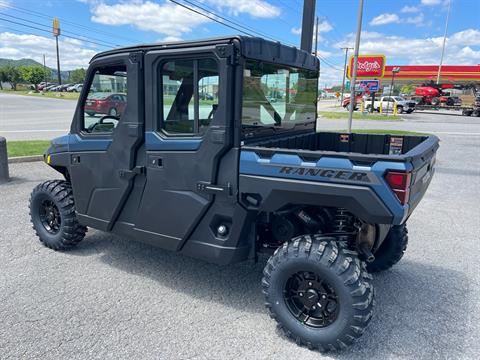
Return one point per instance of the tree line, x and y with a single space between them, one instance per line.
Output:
34 75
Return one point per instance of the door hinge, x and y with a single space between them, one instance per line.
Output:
208 188
129 174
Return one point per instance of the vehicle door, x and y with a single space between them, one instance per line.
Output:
186 136
103 147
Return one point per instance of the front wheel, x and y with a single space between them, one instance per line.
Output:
319 292
399 109
52 213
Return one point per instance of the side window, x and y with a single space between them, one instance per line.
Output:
189 95
106 100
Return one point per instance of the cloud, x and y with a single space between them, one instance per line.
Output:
296 31
167 18
73 53
413 50
324 26
416 20
255 8
409 9
384 19
171 39
431 2
324 54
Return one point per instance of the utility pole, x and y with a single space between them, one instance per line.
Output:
307 25
355 65
444 41
56 33
44 71
316 36
344 71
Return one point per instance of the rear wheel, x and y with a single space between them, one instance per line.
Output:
113 112
52 213
319 292
391 250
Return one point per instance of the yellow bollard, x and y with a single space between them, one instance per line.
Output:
362 106
381 107
394 108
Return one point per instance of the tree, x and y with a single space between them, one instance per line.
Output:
3 76
12 75
77 76
407 89
33 74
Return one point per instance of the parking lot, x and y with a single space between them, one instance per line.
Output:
113 298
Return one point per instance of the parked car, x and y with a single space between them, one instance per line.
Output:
403 105
50 87
75 88
105 103
346 101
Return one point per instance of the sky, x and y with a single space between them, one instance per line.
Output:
407 32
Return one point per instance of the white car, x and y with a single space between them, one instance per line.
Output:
75 88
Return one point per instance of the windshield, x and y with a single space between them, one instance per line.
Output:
398 98
278 95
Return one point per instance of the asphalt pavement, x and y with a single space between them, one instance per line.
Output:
34 118
114 298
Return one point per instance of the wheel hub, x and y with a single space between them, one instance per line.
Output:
311 299
50 216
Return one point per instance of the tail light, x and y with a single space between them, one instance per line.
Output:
399 182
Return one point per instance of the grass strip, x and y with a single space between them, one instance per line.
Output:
27 147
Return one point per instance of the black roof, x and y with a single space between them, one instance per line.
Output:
250 47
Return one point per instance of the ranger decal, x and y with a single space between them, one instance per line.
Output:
326 173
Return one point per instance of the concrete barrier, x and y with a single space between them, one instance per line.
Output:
4 176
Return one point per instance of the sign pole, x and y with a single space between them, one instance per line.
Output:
355 65
344 72
56 33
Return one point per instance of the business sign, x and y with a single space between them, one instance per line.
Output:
369 66
369 85
56 27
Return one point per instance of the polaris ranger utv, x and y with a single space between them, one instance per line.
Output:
209 148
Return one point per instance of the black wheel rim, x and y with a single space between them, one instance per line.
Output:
50 216
311 300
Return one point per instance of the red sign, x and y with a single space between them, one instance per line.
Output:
369 67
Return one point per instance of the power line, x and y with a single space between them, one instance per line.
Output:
230 20
63 31
71 23
48 31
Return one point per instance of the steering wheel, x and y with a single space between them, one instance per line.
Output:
101 121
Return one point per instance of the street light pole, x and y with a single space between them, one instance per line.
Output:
444 41
344 72
355 65
395 70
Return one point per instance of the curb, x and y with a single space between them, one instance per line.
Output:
23 159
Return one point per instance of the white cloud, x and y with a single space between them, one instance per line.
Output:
167 18
171 39
324 26
416 20
384 19
255 8
458 50
73 53
296 31
409 9
431 2
324 54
